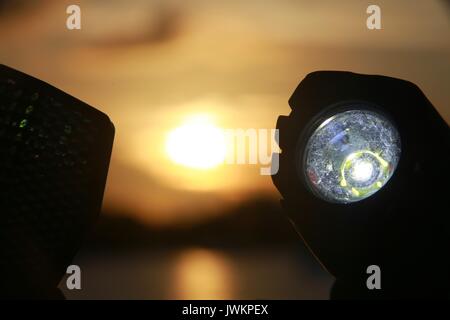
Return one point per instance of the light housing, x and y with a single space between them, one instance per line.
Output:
54 158
403 227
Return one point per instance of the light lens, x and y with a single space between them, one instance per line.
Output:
351 155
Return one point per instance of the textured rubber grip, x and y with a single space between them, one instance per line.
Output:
54 159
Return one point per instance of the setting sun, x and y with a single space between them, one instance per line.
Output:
198 143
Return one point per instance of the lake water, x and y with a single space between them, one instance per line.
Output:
196 273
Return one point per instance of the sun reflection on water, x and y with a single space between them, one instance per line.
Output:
202 274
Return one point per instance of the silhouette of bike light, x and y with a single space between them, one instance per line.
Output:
351 155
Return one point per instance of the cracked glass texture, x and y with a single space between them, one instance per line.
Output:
351 155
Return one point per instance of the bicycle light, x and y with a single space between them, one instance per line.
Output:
54 158
364 180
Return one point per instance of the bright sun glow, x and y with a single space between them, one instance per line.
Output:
198 144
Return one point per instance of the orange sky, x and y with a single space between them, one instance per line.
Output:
151 64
